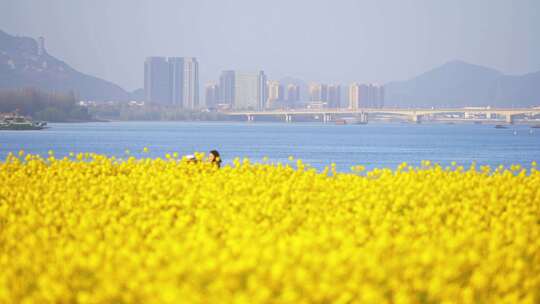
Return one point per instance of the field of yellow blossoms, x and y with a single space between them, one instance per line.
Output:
95 229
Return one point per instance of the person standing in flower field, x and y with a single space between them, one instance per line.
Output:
214 158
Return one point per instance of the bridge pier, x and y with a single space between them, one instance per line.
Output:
364 117
326 118
416 118
288 118
509 118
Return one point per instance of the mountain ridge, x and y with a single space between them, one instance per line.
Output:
458 83
23 63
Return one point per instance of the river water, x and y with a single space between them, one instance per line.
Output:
373 145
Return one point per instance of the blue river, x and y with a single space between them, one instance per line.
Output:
375 145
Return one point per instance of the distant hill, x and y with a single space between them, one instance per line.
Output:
24 64
458 84
518 90
138 95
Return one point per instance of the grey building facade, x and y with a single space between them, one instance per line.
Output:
172 81
250 91
226 87
157 80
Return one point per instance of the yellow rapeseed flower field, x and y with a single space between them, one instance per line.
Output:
95 229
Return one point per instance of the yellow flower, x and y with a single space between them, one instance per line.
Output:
163 231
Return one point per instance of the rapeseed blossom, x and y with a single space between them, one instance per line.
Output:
94 229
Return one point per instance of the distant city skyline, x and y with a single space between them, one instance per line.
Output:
334 96
392 40
172 81
279 94
275 91
211 94
250 90
242 90
293 92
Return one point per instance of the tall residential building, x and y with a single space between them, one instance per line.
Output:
372 95
157 80
226 87
211 92
318 92
191 83
275 92
366 96
334 96
293 93
250 90
172 81
176 80
354 96
380 97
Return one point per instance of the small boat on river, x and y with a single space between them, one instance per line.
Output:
352 121
16 122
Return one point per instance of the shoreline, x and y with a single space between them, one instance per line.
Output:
447 122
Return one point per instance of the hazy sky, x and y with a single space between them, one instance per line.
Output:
332 41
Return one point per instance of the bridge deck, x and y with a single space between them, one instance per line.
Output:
501 111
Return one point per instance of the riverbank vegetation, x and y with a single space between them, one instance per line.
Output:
41 105
151 112
93 229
